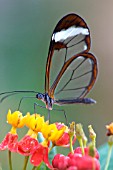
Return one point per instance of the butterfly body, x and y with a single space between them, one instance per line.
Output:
46 99
49 102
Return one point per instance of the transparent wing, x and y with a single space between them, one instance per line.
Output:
70 37
76 77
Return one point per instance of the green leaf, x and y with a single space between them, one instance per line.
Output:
103 151
52 154
42 166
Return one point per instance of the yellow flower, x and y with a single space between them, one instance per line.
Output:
51 132
16 119
34 122
110 129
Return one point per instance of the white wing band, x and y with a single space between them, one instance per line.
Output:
70 32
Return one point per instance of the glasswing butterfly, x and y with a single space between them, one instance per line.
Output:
69 63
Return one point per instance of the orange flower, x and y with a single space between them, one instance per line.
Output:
110 129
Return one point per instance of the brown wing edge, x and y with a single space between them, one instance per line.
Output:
66 22
65 66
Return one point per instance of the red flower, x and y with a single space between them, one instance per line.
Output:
27 145
75 161
63 141
65 138
40 154
86 151
83 162
59 125
72 168
60 162
10 142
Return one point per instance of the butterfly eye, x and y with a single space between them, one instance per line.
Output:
39 96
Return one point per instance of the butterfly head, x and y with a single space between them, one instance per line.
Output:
40 96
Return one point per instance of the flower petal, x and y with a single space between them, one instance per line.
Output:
27 145
41 154
16 119
10 142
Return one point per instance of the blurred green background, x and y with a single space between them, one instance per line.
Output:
25 30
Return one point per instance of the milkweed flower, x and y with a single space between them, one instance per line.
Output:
57 133
110 129
83 162
87 160
29 143
81 158
87 151
16 119
10 141
110 144
75 161
41 155
34 122
65 138
60 162
51 132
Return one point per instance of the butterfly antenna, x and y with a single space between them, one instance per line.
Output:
3 98
11 93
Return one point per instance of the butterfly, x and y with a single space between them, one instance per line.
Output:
71 70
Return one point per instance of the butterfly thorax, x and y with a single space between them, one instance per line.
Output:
46 99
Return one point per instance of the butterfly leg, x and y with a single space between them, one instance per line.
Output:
61 110
48 115
25 97
36 104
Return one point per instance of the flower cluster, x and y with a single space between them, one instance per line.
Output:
84 157
81 158
76 161
56 134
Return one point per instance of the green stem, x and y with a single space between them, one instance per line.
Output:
34 168
10 161
71 145
51 147
25 162
108 158
81 145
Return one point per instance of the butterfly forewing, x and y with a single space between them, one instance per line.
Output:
70 70
70 37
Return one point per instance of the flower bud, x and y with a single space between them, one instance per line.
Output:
60 162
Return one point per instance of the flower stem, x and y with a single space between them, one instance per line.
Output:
81 145
10 161
71 145
108 158
71 134
25 162
51 147
34 168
